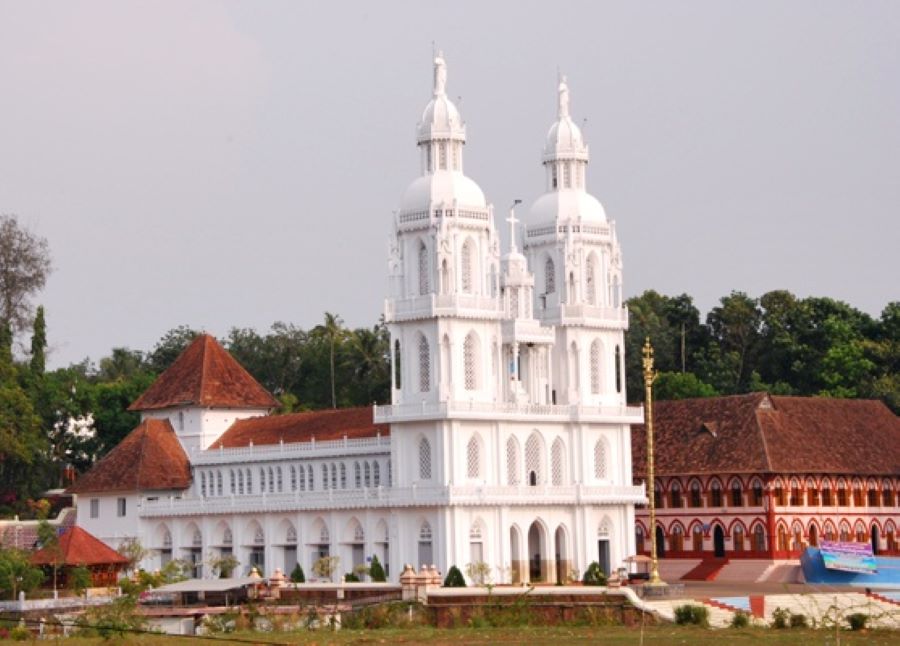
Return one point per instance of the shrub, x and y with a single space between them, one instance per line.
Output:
20 633
740 619
376 571
297 575
594 575
454 578
780 617
798 621
857 620
694 615
80 579
349 577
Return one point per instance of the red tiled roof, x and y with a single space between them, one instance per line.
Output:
759 433
149 458
23 535
302 427
205 375
78 547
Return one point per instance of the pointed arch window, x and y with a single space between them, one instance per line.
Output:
218 482
533 459
279 481
271 481
424 365
512 461
549 276
595 367
376 474
397 363
618 360
357 475
203 484
324 476
343 468
240 482
469 359
600 471
557 459
473 458
293 471
310 478
333 476
301 477
424 282
465 267
367 474
590 281
424 459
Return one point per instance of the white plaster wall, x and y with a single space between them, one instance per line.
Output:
198 428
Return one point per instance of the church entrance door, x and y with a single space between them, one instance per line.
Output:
719 541
874 539
660 542
537 553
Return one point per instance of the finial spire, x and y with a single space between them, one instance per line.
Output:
440 75
512 226
563 97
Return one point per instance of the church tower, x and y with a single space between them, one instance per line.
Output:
573 251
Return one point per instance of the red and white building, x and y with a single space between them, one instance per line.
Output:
761 476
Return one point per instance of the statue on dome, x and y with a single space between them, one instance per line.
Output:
563 97
440 74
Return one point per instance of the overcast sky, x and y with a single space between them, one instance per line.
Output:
222 164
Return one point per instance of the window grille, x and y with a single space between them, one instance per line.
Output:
466 267
737 494
556 462
514 302
203 484
424 365
696 500
424 459
323 535
589 281
618 369
390 474
600 460
425 532
301 478
310 479
424 287
324 476
512 461
595 367
293 478
240 482
473 458
357 475
533 459
716 495
262 480
549 276
218 482
469 362
333 476
343 468
376 474
227 537
359 536
271 481
367 474
291 536
197 538
249 481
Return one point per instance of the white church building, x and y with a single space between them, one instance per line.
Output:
507 441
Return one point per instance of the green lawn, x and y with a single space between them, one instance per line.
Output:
534 636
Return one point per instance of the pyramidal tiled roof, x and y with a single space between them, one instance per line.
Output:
205 375
79 547
770 434
149 458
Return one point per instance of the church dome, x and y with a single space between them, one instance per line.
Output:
566 204
564 139
440 120
442 187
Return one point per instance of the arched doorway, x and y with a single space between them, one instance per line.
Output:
537 553
874 536
813 534
718 542
660 542
517 567
562 556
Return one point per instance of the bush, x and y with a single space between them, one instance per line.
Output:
740 619
857 620
351 578
693 615
376 571
297 575
454 578
80 579
780 617
20 634
798 621
594 575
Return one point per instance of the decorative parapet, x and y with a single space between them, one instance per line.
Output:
507 411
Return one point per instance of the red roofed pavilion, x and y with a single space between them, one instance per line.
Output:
79 548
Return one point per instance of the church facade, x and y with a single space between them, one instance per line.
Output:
507 440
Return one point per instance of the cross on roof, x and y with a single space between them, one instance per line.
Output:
513 221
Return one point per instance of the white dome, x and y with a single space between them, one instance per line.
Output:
566 204
442 187
564 140
440 120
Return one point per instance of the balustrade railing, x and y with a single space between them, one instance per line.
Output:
424 410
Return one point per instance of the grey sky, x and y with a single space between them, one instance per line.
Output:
228 164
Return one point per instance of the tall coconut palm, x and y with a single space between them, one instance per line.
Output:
331 331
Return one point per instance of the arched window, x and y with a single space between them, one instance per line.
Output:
465 267
324 476
376 474
424 365
533 459
759 539
675 495
218 482
557 462
203 484
301 477
549 276
271 481
715 494
240 482
590 281
696 499
232 482
367 474
595 367
293 478
424 286
357 475
280 482
333 476
512 461
397 363
600 460
737 538
737 494
310 479
473 458
618 369
424 459
469 361
343 469
390 474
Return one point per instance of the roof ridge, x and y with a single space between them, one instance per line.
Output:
140 464
204 365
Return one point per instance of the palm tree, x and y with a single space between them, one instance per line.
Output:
331 330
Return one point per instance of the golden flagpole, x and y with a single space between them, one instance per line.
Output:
649 377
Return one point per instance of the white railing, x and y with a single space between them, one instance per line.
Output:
563 229
293 450
610 316
428 305
491 410
527 331
393 497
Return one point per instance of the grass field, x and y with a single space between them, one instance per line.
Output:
536 636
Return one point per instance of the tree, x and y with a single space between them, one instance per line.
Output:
24 267
131 549
677 385
169 347
38 344
17 574
594 575
331 332
735 324
376 571
48 537
454 578
79 579
326 566
297 575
